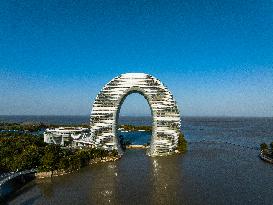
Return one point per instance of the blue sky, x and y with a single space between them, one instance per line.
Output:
216 57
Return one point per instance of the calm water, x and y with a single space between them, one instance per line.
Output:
249 132
221 167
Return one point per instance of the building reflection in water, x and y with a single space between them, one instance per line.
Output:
134 179
102 188
166 175
137 180
46 187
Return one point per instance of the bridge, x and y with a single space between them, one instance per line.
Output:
8 177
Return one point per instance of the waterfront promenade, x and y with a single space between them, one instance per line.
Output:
4 178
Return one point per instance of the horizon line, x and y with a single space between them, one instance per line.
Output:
222 116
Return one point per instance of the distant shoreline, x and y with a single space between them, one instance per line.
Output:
136 146
185 116
85 120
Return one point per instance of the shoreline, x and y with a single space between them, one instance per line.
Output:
42 175
136 147
8 188
266 158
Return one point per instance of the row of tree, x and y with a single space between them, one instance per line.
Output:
268 150
32 126
136 127
27 152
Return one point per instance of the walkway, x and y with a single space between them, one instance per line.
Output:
4 178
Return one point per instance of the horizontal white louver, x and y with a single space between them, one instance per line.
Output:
107 105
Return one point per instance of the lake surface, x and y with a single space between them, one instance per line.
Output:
221 167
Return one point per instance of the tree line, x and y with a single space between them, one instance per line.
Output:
27 152
267 150
33 126
136 127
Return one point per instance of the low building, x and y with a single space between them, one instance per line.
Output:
67 136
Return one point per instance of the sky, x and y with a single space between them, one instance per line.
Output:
216 57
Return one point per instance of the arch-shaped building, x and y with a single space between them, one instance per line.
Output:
165 113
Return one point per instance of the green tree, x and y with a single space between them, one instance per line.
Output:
51 158
75 162
20 152
182 143
64 163
264 147
29 158
271 148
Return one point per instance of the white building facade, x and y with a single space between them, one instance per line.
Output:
165 113
68 136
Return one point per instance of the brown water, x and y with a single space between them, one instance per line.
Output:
221 167
209 173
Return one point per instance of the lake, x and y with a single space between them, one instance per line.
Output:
221 167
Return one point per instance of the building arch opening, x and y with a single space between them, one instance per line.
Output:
134 121
165 113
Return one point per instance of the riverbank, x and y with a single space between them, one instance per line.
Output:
41 175
136 147
15 182
198 177
139 128
26 152
266 158
266 153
